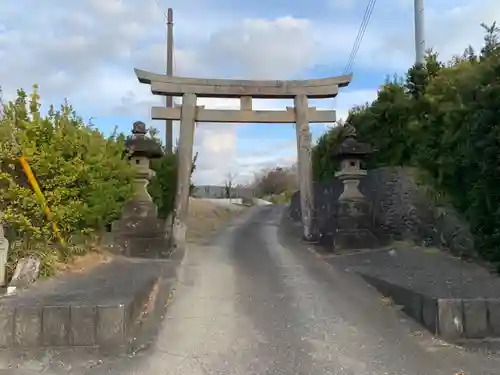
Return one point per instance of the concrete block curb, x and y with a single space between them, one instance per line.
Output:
494 316
429 314
475 314
55 325
452 319
27 326
82 326
112 327
6 325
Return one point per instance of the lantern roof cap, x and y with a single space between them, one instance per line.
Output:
139 144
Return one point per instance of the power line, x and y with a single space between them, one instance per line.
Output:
161 9
363 22
361 33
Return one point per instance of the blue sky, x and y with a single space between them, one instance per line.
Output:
86 51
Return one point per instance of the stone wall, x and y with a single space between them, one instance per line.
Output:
400 209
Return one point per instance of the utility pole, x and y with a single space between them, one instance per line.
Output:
419 32
170 71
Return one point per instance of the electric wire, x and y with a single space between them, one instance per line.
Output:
361 33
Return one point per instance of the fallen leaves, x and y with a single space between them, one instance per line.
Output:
388 301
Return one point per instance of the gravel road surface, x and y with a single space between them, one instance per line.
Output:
246 304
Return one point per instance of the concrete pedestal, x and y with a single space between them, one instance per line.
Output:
354 226
140 233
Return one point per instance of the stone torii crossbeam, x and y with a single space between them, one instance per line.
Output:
189 113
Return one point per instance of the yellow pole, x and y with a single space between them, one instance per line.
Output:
36 188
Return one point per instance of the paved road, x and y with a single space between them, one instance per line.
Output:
248 305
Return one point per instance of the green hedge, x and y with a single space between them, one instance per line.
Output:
444 119
84 176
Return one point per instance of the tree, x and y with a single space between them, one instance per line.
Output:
323 159
163 186
275 181
491 40
419 76
85 177
228 184
443 119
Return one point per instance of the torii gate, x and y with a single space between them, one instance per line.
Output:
189 113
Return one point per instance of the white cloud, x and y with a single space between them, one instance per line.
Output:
264 49
450 26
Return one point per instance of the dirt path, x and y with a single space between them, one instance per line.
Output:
205 218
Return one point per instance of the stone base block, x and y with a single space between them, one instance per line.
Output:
83 325
55 325
111 325
450 319
475 313
430 314
28 326
153 247
354 226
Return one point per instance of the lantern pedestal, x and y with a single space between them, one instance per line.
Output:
354 224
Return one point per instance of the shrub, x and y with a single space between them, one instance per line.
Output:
163 185
85 177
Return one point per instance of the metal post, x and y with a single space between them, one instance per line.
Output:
419 32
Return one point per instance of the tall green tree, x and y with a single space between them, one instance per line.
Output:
444 119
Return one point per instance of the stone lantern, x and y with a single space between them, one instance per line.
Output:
353 214
351 153
142 150
139 232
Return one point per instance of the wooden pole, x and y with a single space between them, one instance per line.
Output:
170 71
